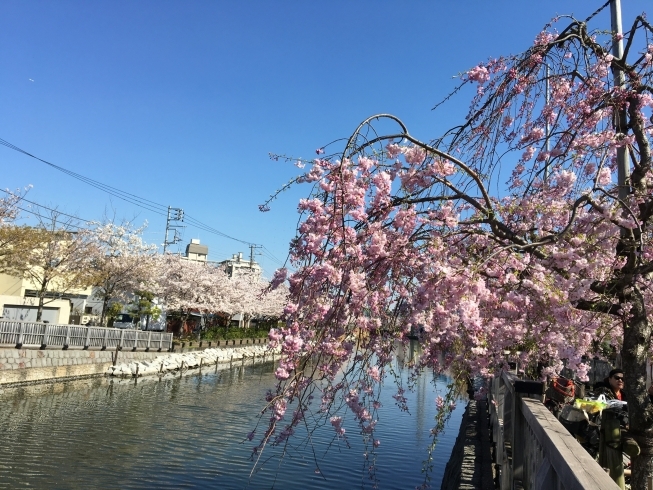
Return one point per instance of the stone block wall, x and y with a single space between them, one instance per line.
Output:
30 365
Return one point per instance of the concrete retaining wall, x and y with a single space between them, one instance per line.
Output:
30 365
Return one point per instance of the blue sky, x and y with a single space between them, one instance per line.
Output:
180 102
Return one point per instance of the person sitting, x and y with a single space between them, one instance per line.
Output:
613 387
614 435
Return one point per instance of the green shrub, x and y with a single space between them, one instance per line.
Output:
229 333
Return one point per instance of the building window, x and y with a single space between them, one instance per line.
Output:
88 310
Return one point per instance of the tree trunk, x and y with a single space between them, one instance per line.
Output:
42 291
39 311
105 303
637 337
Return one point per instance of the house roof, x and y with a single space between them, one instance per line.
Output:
196 248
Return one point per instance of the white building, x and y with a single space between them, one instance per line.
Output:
236 264
197 252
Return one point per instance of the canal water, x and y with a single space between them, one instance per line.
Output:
189 432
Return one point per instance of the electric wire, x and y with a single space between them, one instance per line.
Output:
144 203
198 224
34 213
271 254
46 207
141 202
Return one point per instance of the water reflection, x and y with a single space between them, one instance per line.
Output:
187 432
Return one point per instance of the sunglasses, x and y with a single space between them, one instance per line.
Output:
618 378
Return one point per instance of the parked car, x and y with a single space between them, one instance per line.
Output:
158 325
124 320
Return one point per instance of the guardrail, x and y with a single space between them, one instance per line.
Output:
533 450
42 335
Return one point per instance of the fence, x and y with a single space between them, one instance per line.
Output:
533 450
42 335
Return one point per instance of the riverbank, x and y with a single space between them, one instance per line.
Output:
26 366
174 362
189 430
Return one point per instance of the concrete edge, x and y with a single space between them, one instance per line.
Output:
18 377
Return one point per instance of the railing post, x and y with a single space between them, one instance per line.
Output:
518 443
46 334
135 340
106 336
19 341
160 341
122 336
149 339
87 342
66 341
521 449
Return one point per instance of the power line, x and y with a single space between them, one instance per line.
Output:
198 224
45 207
271 256
266 252
141 202
48 217
120 194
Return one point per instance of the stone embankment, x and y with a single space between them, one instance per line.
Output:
29 365
166 363
21 366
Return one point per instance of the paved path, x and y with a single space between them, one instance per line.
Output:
470 465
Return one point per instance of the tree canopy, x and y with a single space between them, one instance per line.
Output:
507 237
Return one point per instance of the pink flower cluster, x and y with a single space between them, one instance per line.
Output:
404 238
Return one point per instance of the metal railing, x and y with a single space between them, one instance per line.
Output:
533 450
42 335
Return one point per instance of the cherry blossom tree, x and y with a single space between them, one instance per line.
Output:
11 235
9 205
188 286
506 237
250 295
122 263
54 256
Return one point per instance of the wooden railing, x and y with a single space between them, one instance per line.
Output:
43 335
533 450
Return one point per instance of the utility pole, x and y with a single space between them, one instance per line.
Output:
252 247
174 215
621 121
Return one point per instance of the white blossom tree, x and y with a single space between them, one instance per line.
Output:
54 256
122 263
188 286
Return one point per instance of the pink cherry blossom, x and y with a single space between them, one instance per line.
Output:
483 242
